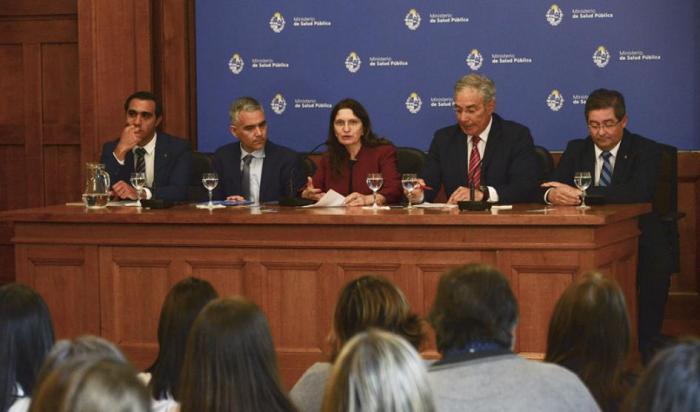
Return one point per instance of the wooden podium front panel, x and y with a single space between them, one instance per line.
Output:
111 275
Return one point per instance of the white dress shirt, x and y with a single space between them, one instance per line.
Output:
150 160
481 147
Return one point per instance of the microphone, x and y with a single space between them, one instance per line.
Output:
476 205
292 198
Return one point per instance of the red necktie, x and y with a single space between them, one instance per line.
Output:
474 175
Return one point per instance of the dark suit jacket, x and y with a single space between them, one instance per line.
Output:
280 168
634 175
172 167
509 164
634 180
378 159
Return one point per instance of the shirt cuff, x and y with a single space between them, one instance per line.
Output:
547 202
121 162
493 195
149 195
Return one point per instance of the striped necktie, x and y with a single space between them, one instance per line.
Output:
606 171
140 160
474 174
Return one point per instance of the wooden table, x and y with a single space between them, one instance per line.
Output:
106 272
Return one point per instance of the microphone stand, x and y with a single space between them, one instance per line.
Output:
293 199
476 205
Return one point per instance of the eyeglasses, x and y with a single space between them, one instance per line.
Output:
352 123
594 127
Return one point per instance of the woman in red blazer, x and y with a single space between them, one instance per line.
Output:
353 152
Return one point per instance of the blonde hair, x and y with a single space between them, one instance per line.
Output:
378 371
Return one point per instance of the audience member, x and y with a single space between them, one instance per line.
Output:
92 383
474 316
230 363
366 302
354 150
182 305
26 336
66 350
589 334
671 382
378 371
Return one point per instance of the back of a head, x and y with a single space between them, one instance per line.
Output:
473 303
589 333
374 302
671 382
26 336
230 362
64 351
89 384
378 371
180 308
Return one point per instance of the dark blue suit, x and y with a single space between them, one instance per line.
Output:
634 180
509 164
282 174
172 167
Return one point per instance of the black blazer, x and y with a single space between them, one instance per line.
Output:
172 167
282 173
509 162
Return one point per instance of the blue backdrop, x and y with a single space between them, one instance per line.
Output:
401 60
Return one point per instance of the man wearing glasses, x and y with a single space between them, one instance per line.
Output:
482 151
624 167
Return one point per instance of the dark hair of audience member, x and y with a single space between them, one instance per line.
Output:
337 153
91 383
84 346
26 336
671 382
373 301
230 363
589 334
473 303
181 307
378 371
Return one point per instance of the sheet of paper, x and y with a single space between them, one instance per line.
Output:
122 203
428 205
330 199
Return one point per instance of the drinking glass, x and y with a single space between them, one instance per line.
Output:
374 182
583 180
138 181
210 180
408 182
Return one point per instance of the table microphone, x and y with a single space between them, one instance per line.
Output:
292 199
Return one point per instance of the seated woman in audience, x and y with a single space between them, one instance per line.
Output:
91 383
66 350
671 382
230 364
26 336
353 152
589 334
366 302
378 372
182 305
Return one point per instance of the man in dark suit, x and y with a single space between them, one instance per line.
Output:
254 168
482 150
624 167
166 160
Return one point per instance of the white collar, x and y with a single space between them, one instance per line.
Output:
150 146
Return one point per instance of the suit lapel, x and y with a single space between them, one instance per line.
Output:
491 146
161 160
623 159
588 158
459 156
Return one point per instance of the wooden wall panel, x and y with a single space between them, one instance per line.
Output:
66 277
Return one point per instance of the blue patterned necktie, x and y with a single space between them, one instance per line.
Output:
606 171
